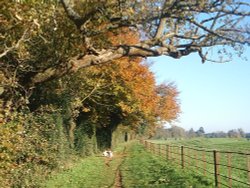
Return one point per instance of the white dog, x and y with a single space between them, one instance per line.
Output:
108 153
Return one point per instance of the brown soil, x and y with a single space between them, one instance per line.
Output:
118 179
118 175
107 161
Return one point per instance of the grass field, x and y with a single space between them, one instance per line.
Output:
90 172
224 144
133 166
144 170
225 159
136 166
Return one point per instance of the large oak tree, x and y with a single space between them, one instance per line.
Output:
172 28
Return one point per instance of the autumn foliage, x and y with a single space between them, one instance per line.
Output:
76 114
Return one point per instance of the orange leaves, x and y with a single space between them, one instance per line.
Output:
168 107
124 36
126 88
136 82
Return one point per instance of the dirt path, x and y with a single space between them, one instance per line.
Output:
118 176
118 179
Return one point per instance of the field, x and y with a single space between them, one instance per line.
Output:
132 166
232 158
135 165
142 169
225 144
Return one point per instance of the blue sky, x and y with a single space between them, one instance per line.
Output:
215 96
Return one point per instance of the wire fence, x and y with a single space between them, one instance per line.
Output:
226 168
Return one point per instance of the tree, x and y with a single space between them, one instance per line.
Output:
233 133
242 133
200 131
168 107
191 133
88 105
45 40
218 134
177 132
173 132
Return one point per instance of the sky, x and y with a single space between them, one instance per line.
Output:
215 96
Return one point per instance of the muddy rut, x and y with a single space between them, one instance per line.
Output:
118 175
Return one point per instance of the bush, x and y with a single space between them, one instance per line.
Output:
32 145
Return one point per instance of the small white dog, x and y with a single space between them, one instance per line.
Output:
108 153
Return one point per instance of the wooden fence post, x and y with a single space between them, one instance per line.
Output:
196 160
204 161
182 157
216 169
248 168
229 169
167 152
159 149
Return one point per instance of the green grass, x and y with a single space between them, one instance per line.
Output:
219 144
225 144
142 169
90 172
138 168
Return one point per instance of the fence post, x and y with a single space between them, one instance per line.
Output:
182 157
248 168
196 160
167 152
216 169
229 169
204 162
159 149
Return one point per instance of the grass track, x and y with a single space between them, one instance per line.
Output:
90 172
142 169
136 167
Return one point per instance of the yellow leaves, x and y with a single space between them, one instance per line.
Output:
131 10
125 108
85 109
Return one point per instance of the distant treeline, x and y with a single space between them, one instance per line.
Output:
179 132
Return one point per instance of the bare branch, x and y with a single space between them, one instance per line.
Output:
140 50
160 28
216 33
74 16
9 49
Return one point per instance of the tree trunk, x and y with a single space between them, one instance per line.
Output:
72 126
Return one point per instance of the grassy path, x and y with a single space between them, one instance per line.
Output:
130 167
118 178
91 172
144 170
